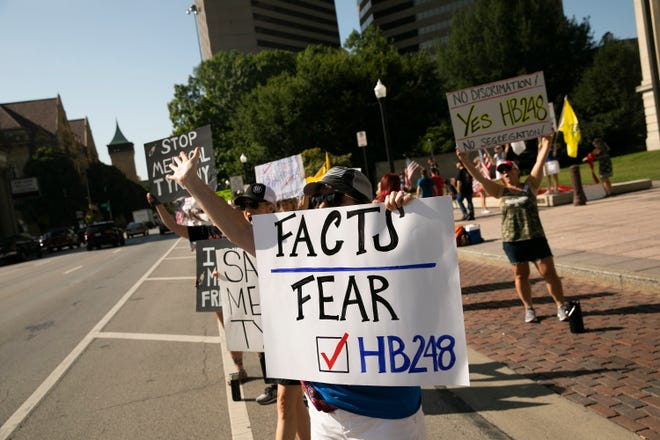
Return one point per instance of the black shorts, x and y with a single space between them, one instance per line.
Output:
527 251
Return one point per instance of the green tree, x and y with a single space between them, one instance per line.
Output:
329 98
497 39
606 102
61 192
214 92
108 184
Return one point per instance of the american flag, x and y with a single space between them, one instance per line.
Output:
411 166
485 160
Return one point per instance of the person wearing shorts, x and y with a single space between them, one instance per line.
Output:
337 411
523 237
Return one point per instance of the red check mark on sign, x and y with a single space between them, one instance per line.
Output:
335 355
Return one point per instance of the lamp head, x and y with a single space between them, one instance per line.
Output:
243 158
380 90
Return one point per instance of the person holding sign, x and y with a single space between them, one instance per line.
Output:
338 411
522 233
194 233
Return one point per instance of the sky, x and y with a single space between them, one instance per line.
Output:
118 61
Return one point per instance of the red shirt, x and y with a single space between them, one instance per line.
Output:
439 184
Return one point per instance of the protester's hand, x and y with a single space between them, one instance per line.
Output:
396 199
152 200
184 167
545 140
463 156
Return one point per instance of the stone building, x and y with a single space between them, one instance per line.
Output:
26 126
647 17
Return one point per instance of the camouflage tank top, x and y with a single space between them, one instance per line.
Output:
520 215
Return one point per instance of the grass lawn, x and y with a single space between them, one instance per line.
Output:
644 165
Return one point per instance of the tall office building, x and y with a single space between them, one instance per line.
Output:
414 25
250 26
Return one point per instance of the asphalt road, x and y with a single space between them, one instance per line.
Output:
107 345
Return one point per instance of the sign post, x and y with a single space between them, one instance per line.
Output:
362 143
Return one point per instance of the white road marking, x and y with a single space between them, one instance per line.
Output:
72 270
116 251
26 408
239 420
191 257
169 278
159 337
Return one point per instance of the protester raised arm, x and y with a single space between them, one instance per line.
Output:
536 176
230 221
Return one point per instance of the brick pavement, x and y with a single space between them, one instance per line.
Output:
611 369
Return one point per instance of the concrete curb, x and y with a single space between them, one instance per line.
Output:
620 279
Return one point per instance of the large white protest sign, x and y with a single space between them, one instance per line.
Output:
161 153
361 295
501 112
285 176
241 308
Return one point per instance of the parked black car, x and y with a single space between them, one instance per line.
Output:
104 233
59 239
19 247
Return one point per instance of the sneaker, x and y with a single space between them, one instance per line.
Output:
269 395
562 312
240 375
485 211
530 315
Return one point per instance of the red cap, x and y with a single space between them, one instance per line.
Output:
506 163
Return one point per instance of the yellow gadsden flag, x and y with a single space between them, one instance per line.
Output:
568 124
321 172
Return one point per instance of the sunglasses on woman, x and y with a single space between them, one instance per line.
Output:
331 200
244 204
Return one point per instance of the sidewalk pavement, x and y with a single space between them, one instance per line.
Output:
542 381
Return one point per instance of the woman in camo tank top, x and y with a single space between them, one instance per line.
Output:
523 238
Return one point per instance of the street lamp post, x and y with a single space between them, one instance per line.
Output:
381 92
193 9
243 159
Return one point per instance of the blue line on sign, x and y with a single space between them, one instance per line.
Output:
353 269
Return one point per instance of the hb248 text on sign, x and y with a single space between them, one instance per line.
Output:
501 112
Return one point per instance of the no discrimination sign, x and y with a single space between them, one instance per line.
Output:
514 109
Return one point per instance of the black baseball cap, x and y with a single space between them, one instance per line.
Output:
257 192
347 180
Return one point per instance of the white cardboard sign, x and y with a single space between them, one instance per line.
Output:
514 109
361 295
241 304
284 176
